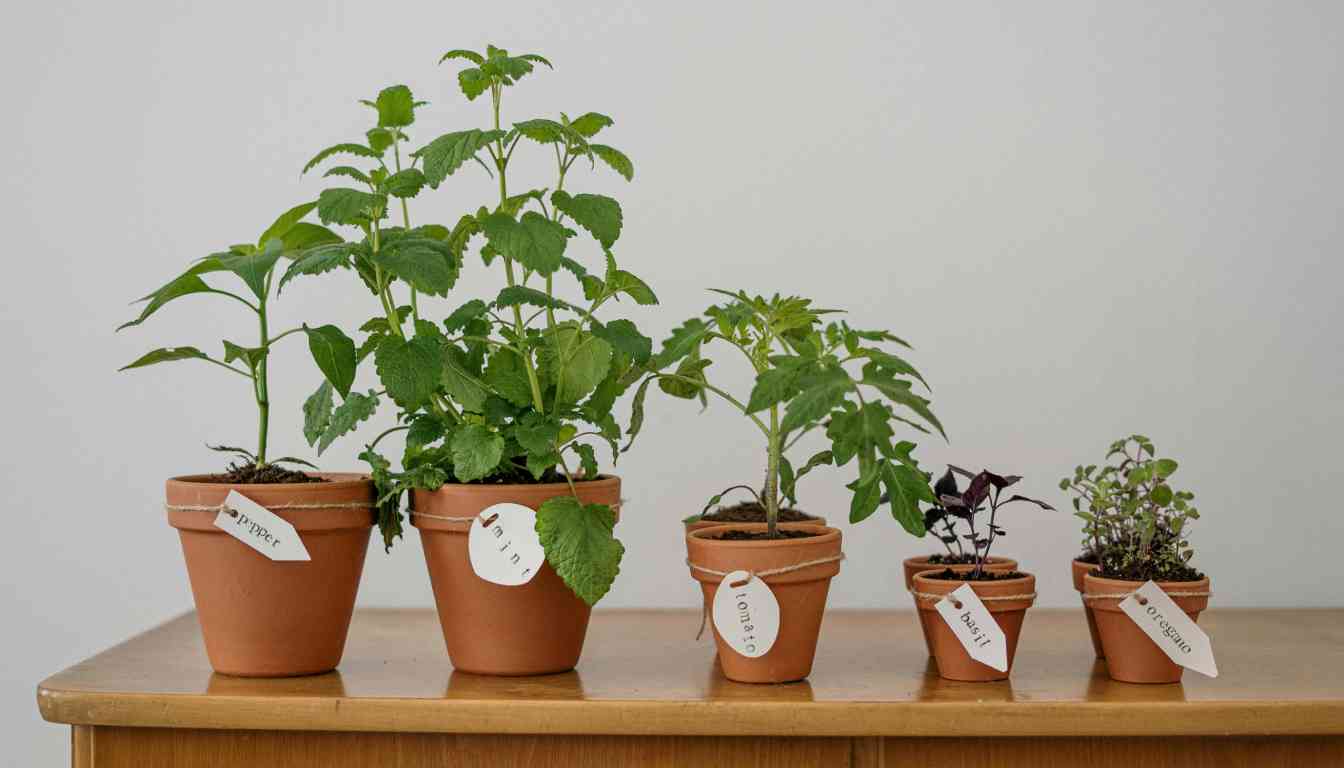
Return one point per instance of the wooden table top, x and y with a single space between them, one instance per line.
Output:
643 672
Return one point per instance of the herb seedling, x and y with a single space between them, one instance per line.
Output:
1134 523
255 266
983 488
803 384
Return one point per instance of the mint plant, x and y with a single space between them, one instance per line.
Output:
809 376
254 265
516 387
984 488
1134 522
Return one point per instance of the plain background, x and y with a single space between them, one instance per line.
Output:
1090 219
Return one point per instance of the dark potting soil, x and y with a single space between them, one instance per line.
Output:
948 574
1090 558
751 512
762 535
269 474
964 559
1145 572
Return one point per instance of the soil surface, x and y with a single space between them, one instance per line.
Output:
251 474
965 559
1088 557
1136 573
763 535
751 512
951 575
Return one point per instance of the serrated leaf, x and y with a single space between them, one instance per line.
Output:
533 241
476 452
284 222
165 355
473 82
410 369
317 412
537 434
598 214
580 546
349 206
405 184
621 281
692 379
396 107
444 155
516 295
615 159
898 391
359 150
425 263
865 501
587 460
347 416
465 314
589 123
253 267
821 393
505 374
317 260
461 384
905 489
334 353
459 53
637 412
304 235
773 385
684 339
624 336
575 361
424 429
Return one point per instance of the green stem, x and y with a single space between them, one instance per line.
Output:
260 382
772 476
405 219
711 388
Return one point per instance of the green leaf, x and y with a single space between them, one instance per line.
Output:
598 214
334 353
426 264
165 355
905 489
621 281
410 369
458 53
515 295
396 107
533 241
319 259
684 339
465 314
424 429
865 501
1165 468
249 355
476 452
624 336
614 158
346 417
692 368
537 434
575 361
405 184
505 374
284 222
183 285
461 384
349 173
637 412
304 235
358 150
349 206
898 391
253 267
773 385
589 123
1161 495
473 82
544 131
587 460
580 546
818 459
317 412
444 155
822 392
787 480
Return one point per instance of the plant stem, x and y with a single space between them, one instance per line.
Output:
772 476
260 381
405 218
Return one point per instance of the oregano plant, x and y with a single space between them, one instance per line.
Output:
254 265
515 387
810 375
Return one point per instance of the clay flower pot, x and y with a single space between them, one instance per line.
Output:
535 628
1131 656
801 594
696 525
1079 569
260 617
914 565
954 663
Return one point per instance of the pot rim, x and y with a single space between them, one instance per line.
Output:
473 488
1163 584
923 560
702 534
335 480
927 604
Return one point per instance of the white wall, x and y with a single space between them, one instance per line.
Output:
1091 219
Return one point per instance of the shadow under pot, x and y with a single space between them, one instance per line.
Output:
267 618
798 572
914 565
1132 656
1080 569
1007 600
537 628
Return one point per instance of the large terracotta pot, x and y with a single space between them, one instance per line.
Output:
1080 569
260 617
954 663
1132 656
535 628
801 594
914 565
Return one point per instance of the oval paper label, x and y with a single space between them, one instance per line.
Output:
746 614
503 544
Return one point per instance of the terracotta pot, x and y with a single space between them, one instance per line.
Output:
954 663
696 525
801 595
1079 569
1131 656
535 628
913 565
262 618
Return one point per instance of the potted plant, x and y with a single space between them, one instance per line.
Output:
261 617
1137 526
1006 594
802 385
500 403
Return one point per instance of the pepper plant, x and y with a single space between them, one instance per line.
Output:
254 265
984 487
1134 522
810 375
513 388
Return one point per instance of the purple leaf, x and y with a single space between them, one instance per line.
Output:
1037 502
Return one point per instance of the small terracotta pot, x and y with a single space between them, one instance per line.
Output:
260 617
913 565
1079 569
954 663
535 628
696 525
1132 656
801 595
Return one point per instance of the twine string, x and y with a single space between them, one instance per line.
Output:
704 613
231 512
983 598
448 519
1123 595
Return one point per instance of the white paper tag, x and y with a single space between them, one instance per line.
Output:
1174 632
746 614
260 529
503 544
975 627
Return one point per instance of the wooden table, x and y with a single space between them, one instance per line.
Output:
646 693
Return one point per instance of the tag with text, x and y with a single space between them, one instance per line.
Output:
1174 632
975 627
503 544
746 614
260 529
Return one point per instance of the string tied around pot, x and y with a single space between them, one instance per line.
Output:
704 613
231 512
450 519
983 598
1142 599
